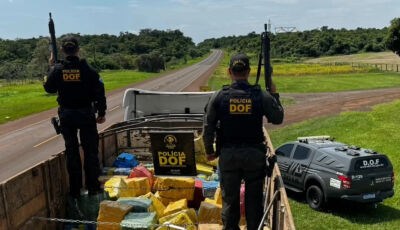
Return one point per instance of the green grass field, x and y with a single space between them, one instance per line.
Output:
17 101
379 57
311 78
324 83
378 130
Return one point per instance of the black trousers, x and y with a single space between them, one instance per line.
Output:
83 120
239 163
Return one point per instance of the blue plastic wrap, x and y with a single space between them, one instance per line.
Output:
125 160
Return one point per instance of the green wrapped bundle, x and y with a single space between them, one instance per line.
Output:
139 221
138 204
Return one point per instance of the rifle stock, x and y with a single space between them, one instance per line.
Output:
53 39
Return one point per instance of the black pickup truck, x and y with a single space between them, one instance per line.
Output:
325 169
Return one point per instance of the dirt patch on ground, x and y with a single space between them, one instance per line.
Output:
314 105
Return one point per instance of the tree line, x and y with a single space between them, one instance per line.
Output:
311 43
149 50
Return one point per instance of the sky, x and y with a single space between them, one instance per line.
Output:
198 19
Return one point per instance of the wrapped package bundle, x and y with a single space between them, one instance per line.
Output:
190 212
209 188
112 185
133 187
139 221
112 212
157 204
164 200
210 212
204 169
125 160
138 204
182 219
175 207
198 194
141 171
175 187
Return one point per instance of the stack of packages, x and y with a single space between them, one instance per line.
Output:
141 200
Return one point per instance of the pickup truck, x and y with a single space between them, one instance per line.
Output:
37 197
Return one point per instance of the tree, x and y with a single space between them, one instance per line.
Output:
393 36
38 66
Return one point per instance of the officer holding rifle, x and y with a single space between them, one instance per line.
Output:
238 109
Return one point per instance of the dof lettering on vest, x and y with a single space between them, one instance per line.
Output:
71 75
240 106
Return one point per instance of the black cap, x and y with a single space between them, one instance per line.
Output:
239 62
70 44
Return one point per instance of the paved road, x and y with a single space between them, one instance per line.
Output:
28 141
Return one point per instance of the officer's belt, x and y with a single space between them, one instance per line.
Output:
241 144
84 109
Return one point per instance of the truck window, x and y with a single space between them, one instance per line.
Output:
301 153
284 150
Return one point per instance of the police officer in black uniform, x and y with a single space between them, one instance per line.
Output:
80 93
239 109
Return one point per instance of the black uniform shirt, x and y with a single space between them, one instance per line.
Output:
78 85
271 109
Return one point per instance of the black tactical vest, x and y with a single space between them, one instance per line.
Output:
240 114
76 89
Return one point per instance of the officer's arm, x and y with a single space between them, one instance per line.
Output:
50 83
100 96
272 108
210 123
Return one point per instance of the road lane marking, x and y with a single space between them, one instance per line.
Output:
116 107
44 142
28 126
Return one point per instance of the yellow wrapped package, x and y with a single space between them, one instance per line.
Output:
133 187
112 185
210 212
175 207
204 169
200 152
164 200
190 212
175 187
210 227
218 196
183 220
112 212
157 204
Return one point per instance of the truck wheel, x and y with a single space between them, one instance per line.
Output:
315 197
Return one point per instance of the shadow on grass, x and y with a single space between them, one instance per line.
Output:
354 212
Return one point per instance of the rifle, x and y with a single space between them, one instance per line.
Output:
265 54
54 120
53 39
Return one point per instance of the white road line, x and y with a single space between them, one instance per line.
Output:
44 142
28 126
116 107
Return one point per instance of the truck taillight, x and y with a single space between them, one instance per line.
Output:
346 182
392 177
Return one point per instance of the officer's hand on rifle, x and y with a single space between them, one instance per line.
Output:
211 157
101 119
51 59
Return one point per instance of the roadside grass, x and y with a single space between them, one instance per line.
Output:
378 130
323 83
377 57
18 100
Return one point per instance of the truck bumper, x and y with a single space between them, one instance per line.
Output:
379 196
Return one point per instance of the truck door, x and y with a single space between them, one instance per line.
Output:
301 160
283 154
